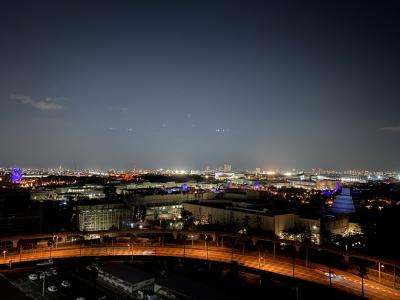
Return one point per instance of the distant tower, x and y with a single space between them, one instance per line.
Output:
16 175
343 204
227 168
258 171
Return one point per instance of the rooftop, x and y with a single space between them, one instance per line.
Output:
127 273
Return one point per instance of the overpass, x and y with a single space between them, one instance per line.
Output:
217 237
316 273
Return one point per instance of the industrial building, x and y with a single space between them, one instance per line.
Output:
93 217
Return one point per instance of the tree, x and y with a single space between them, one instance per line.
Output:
187 218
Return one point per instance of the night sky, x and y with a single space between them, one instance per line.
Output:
189 84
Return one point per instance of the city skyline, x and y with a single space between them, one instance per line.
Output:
185 84
208 170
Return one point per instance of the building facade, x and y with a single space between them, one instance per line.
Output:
94 217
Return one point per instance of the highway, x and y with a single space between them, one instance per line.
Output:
343 280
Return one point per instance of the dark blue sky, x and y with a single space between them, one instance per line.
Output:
185 84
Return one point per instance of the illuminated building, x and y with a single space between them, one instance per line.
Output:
95 217
227 168
227 212
326 184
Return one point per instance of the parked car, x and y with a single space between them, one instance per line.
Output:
65 283
52 289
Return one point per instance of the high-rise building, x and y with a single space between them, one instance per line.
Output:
258 171
227 168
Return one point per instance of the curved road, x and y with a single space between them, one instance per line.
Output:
343 280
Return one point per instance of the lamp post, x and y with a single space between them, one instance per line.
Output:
294 253
44 278
274 250
131 248
184 246
4 254
206 245
191 237
379 271
306 257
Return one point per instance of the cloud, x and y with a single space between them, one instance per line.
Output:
395 129
48 104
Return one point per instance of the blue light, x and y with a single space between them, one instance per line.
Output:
337 188
326 192
16 175
184 187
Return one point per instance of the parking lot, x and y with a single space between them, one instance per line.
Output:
58 281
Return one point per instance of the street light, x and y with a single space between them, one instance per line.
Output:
206 245
130 245
4 254
184 246
44 278
260 258
380 266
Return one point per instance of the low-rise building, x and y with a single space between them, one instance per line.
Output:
94 217
126 281
84 192
284 223
242 214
